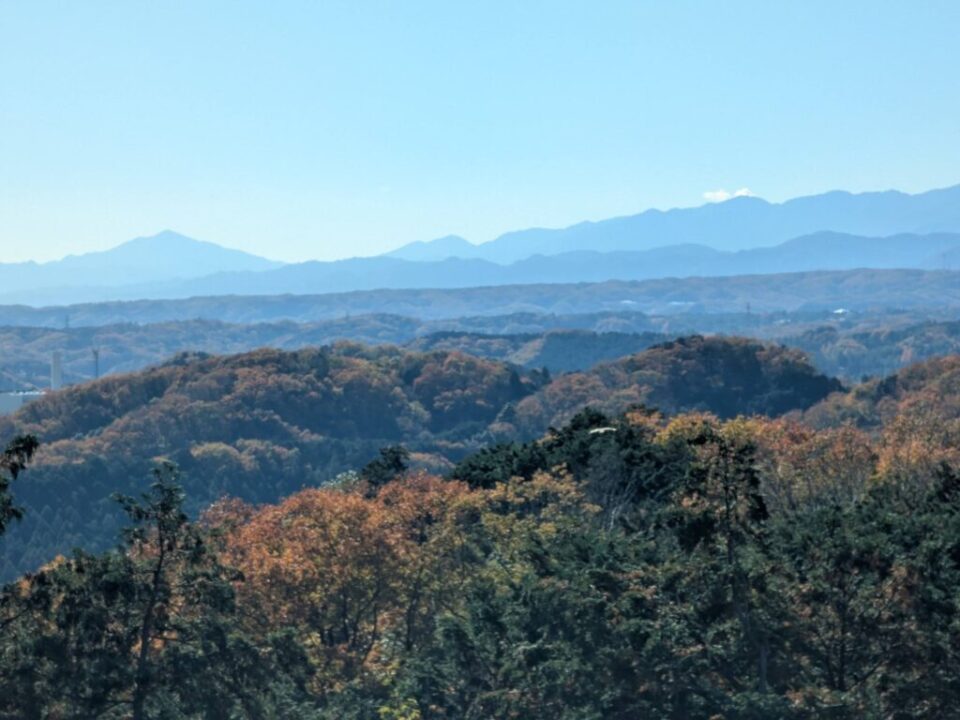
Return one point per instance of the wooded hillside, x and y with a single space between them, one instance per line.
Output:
261 425
620 567
256 426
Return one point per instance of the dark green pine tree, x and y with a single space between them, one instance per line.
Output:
721 608
566 638
390 464
147 631
13 461
919 676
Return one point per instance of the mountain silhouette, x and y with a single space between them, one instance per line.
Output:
164 257
738 224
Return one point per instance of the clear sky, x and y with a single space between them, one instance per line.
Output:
326 129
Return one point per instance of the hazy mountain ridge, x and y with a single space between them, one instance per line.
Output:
439 249
164 257
744 235
742 223
820 251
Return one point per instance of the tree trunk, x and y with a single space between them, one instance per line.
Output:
142 680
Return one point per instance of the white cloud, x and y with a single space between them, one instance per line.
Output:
721 195
716 195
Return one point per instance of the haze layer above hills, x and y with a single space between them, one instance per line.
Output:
812 291
745 235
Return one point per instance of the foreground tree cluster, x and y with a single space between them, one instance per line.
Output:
628 567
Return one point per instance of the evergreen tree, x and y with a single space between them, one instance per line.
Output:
13 461
147 631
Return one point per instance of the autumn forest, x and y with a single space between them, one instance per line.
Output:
709 528
479 361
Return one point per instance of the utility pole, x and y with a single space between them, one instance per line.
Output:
96 362
56 370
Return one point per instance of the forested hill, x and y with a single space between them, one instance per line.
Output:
556 350
257 426
924 396
620 567
522 339
263 424
847 345
723 376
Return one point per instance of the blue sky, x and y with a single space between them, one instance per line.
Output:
328 129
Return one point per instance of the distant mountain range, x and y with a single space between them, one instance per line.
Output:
821 251
451 246
740 223
744 235
164 257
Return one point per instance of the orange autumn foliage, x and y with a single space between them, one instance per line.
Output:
359 577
